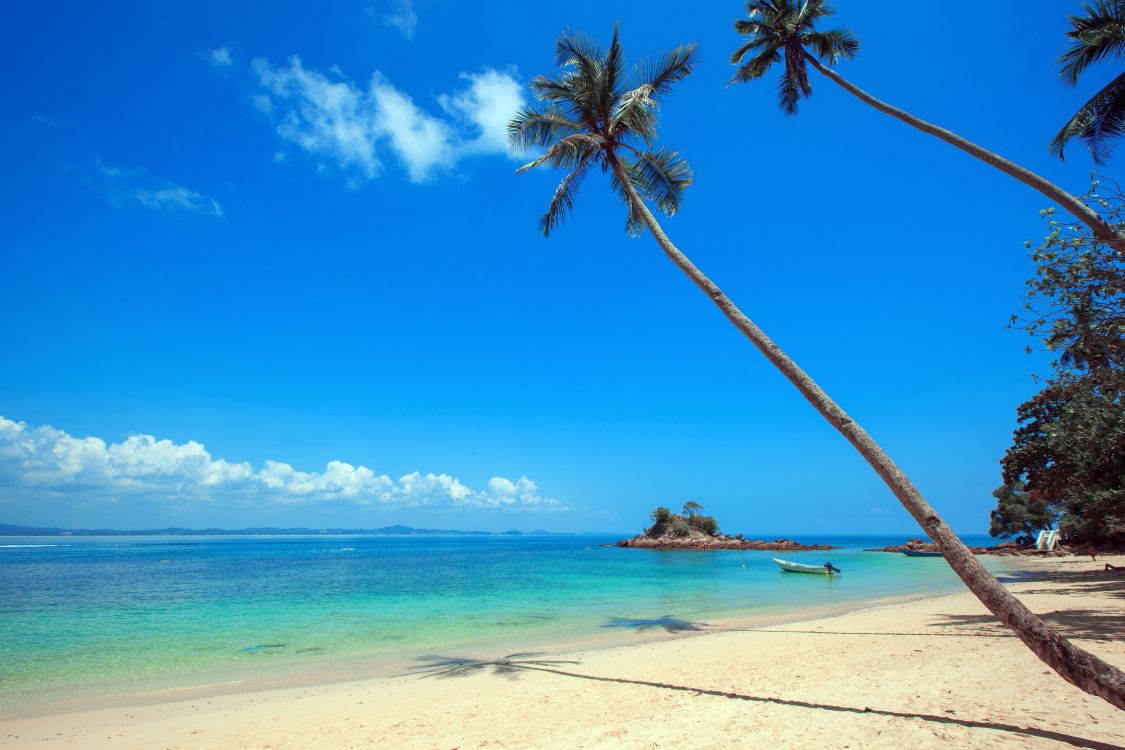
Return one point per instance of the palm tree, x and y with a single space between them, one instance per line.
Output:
783 31
1100 33
594 114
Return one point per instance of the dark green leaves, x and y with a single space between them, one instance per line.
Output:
1100 121
832 45
562 203
661 177
532 128
664 70
1100 33
593 114
780 31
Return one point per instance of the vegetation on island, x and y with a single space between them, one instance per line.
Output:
1066 465
691 529
683 524
596 113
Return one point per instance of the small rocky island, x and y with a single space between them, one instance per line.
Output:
693 530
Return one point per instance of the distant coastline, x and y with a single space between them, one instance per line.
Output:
396 530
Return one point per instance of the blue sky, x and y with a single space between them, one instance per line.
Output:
269 264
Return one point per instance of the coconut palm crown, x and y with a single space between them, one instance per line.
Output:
595 113
782 31
1098 34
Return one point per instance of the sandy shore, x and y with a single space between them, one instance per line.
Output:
926 674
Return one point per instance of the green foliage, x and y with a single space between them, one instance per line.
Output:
680 527
661 515
1019 512
595 113
1098 34
1068 453
691 508
705 524
785 31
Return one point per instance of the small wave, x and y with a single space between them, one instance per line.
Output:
11 546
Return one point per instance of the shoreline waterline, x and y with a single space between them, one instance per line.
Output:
553 595
865 678
349 671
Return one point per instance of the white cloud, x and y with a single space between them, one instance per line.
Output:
122 185
326 118
219 57
489 103
421 142
47 462
347 126
173 197
402 17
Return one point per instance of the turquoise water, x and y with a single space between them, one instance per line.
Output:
91 616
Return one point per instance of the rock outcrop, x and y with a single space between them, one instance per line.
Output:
670 534
1004 549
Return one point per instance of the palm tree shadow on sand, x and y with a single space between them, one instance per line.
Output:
667 623
512 665
505 666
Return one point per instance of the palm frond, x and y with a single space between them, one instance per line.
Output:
570 93
794 84
562 203
635 113
812 11
567 153
574 49
533 127
748 27
613 72
663 71
662 176
588 118
756 43
585 64
757 67
634 223
1097 34
1100 121
832 45
782 28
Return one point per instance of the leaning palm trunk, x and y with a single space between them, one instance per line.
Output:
1076 207
1075 665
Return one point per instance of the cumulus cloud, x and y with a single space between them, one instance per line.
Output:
121 185
349 126
489 103
45 462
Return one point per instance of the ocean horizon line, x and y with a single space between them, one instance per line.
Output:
401 530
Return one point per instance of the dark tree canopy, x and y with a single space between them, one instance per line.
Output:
1067 459
1018 513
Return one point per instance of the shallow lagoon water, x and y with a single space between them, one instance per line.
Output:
83 616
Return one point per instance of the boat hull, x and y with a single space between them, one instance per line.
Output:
792 567
916 553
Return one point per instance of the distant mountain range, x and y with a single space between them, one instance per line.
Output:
397 530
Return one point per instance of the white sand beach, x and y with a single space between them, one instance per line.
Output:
933 673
